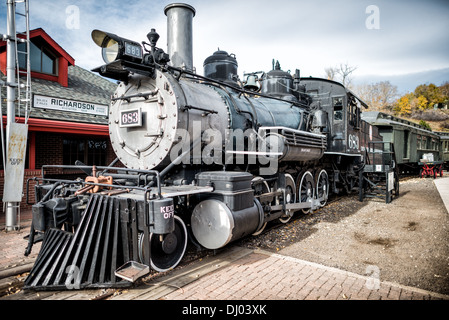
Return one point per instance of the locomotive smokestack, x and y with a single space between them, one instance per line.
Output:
179 34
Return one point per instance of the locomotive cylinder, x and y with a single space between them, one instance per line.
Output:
179 33
229 213
214 225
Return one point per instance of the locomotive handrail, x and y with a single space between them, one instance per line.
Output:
145 95
117 186
200 109
306 133
152 172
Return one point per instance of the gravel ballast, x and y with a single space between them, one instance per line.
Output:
405 242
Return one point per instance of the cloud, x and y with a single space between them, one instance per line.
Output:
309 35
133 22
312 35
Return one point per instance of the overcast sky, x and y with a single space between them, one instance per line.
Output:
381 38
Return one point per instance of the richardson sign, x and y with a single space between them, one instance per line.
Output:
45 102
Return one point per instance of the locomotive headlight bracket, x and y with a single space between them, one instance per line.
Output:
114 47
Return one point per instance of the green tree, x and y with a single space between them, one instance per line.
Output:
425 124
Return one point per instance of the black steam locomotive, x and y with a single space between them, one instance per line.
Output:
209 159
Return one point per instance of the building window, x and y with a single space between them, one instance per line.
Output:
96 152
434 144
89 151
424 142
41 59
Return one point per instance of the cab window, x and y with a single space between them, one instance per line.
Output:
337 103
354 113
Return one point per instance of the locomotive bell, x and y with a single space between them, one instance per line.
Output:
252 83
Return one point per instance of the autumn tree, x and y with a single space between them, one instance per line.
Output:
444 89
424 97
431 93
341 73
345 71
419 103
330 73
403 105
379 96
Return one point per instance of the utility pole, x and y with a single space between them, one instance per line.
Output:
16 133
11 207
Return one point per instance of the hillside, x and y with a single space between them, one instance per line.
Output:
438 120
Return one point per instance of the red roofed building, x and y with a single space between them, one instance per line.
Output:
68 120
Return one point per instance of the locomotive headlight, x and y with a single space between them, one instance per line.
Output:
110 51
114 47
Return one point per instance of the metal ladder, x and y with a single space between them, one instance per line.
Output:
23 90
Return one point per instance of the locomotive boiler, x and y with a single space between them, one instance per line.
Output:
207 158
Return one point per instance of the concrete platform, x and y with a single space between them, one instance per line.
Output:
442 184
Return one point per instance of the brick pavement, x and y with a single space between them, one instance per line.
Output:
259 275
265 276
12 247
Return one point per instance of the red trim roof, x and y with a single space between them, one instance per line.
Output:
65 60
45 125
39 32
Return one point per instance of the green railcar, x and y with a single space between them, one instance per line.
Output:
415 145
444 148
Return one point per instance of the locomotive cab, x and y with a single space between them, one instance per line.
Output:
343 111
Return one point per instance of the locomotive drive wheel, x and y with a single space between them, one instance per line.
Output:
166 250
290 197
260 187
322 187
305 189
